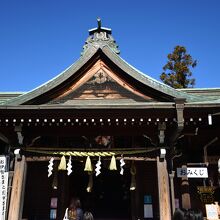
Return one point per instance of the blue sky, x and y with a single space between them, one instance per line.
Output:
41 38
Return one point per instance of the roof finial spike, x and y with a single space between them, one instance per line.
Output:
99 23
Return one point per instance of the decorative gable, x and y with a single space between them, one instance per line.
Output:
99 83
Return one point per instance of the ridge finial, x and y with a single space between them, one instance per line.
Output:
99 23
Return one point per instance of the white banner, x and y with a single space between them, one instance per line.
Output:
192 172
3 187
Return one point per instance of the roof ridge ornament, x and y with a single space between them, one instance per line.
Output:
99 37
99 23
100 28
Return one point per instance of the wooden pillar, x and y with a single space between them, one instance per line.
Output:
186 203
163 190
17 192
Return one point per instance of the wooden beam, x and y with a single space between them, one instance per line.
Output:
39 159
138 158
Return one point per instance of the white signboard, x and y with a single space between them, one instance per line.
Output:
211 211
3 187
192 172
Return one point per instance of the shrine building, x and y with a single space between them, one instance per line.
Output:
122 142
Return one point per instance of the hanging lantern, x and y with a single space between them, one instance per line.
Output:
69 166
112 165
50 166
90 184
62 165
88 165
133 179
122 163
98 167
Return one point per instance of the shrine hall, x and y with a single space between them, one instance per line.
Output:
122 142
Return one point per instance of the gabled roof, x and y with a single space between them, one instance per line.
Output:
101 45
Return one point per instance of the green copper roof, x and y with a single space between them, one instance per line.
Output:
100 41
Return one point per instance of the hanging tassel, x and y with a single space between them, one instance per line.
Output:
133 183
133 179
62 165
69 166
88 165
55 180
50 166
112 165
98 167
90 184
122 163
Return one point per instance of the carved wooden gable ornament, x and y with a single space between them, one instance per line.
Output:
99 83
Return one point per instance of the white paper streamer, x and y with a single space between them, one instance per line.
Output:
98 167
69 166
50 166
122 163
